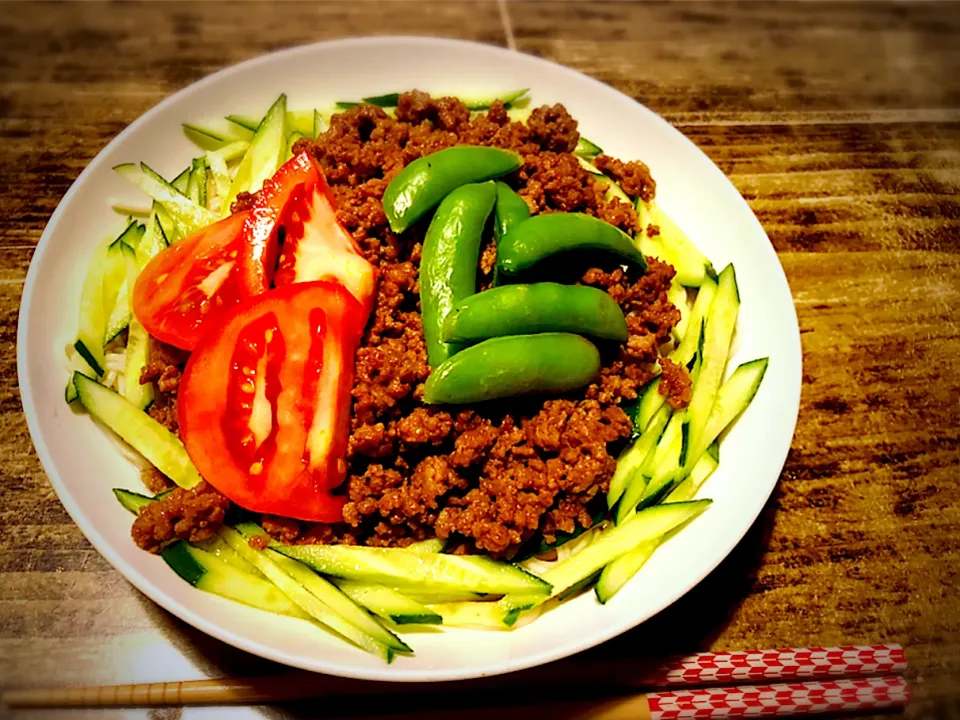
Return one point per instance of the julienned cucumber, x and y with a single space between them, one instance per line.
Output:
664 433
394 567
299 121
473 102
134 502
617 573
210 137
484 615
264 156
586 149
188 215
433 545
144 434
327 593
646 525
705 467
304 598
731 400
672 245
93 319
387 603
651 400
207 572
633 457
717 338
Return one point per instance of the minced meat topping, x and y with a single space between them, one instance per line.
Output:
491 477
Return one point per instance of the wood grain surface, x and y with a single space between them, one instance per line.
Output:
840 125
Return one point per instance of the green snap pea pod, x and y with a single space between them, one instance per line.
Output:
515 365
448 265
540 237
426 181
537 308
511 209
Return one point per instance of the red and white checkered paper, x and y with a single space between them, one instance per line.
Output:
766 665
830 696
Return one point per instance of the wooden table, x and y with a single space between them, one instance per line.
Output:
840 125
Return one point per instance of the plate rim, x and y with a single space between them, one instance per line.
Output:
790 404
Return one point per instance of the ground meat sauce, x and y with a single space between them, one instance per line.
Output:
488 478
191 515
164 370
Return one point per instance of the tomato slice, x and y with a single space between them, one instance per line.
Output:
191 283
313 245
264 402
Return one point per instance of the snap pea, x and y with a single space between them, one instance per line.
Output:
448 265
511 209
515 365
538 238
426 181
537 308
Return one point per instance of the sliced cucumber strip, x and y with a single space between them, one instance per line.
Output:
586 149
144 434
614 191
197 184
672 245
388 603
434 545
666 462
137 352
663 459
320 124
247 122
134 502
688 347
483 102
644 526
93 314
589 167
154 238
677 295
217 546
394 567
633 457
481 615
617 573
116 302
520 115
686 490
736 393
304 597
188 215
717 337
209 573
577 587
300 122
734 396
264 156
180 182
388 100
221 180
328 594
208 137
233 151
432 598
651 401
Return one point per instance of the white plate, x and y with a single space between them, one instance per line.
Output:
83 465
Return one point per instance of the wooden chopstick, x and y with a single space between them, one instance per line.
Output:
829 696
601 675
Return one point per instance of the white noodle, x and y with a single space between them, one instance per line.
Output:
116 361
